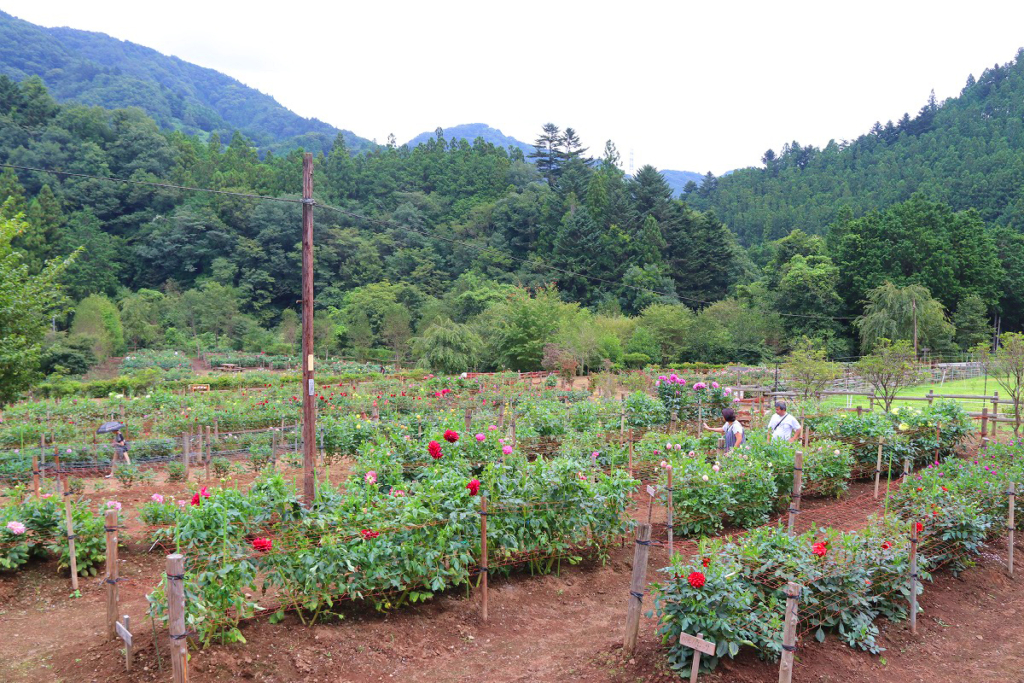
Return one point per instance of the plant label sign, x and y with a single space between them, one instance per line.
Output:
696 643
651 491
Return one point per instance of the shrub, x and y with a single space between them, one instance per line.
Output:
220 466
176 472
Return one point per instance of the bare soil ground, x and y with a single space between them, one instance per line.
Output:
565 627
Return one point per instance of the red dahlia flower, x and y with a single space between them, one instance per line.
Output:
473 486
696 579
920 527
262 544
451 436
368 534
706 561
819 549
434 448
886 545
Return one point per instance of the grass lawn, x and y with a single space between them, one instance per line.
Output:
972 387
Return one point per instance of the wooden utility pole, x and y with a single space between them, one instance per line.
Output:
308 388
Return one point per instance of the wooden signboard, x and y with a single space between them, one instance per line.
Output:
199 388
124 634
698 645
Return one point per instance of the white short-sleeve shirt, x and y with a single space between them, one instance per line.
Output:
783 427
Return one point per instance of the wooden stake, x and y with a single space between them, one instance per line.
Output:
938 441
789 633
668 525
995 411
906 467
110 526
1011 526
878 465
913 576
984 421
185 438
484 568
695 665
622 427
469 418
209 452
176 617
798 482
636 588
35 475
126 634
70 528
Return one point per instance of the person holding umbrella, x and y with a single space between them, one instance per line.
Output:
120 445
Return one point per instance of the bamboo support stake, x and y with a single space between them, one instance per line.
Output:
110 526
630 451
176 618
878 465
913 576
636 588
1011 526
668 524
798 482
484 569
70 528
789 633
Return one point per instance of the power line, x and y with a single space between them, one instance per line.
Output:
152 184
389 224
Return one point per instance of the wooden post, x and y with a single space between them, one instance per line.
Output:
636 588
860 411
469 418
673 422
176 617
200 434
35 475
273 447
913 576
995 411
700 420
209 452
484 568
871 403
501 415
184 451
110 526
789 633
71 530
878 465
798 482
308 389
931 396
1011 526
668 524
938 441
622 427
984 421
216 430
906 467
513 429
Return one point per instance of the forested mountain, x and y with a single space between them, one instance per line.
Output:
95 69
470 132
678 180
967 152
468 251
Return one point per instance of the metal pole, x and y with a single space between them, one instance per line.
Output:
308 388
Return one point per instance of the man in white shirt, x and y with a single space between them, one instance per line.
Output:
783 425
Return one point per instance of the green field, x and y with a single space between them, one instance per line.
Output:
964 387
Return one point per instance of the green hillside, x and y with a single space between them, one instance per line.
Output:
95 69
967 152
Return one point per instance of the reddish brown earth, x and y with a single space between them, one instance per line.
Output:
552 628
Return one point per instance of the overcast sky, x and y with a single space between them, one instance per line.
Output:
686 86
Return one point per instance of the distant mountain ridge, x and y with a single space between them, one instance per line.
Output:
472 131
96 69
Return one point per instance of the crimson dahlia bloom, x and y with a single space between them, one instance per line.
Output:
696 579
434 448
262 544
451 436
819 549
473 486
368 534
